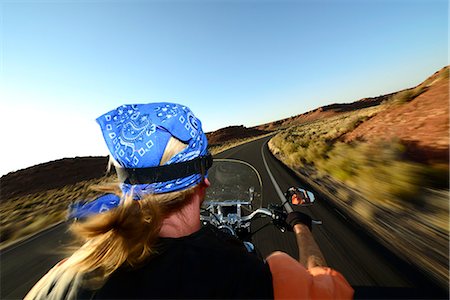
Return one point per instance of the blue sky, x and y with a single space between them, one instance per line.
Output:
64 63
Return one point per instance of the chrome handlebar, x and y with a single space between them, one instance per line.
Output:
232 218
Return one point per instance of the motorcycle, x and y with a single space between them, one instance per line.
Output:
234 200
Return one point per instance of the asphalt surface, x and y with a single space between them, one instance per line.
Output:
372 270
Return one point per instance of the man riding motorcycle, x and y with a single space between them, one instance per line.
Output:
150 243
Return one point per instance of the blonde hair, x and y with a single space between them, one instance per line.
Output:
125 235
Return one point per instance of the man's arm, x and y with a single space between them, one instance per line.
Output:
309 253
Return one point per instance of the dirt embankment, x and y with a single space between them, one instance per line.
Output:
230 133
422 125
324 112
51 175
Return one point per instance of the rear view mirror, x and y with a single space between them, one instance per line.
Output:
299 196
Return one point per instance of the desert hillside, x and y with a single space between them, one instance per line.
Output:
230 133
51 175
323 112
421 123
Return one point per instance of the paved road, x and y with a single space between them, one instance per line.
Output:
372 270
23 264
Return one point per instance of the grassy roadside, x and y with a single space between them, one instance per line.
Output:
403 202
24 216
27 215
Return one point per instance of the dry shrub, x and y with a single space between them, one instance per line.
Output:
364 210
381 173
25 215
406 95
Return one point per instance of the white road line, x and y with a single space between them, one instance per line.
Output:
275 184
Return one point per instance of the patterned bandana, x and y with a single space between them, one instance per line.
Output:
137 135
83 209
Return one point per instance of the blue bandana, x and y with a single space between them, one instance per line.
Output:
83 209
137 135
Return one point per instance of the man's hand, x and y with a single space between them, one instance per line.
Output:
297 217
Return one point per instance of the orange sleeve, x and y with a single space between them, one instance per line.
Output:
291 280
